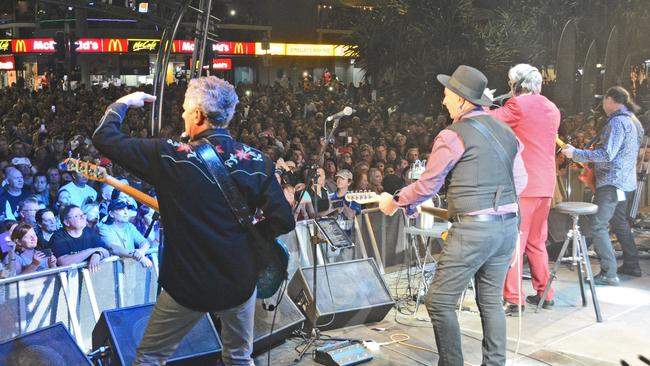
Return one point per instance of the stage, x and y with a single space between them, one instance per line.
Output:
566 335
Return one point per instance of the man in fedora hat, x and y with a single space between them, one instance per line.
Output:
482 158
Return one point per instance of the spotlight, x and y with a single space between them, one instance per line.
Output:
233 12
305 74
248 93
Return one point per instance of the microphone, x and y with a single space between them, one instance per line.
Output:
347 111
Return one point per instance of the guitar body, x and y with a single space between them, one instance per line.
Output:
271 278
587 176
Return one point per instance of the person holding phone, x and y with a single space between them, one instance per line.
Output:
25 258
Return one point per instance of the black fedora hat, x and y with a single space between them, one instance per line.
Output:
467 82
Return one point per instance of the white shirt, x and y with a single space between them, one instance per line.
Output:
78 196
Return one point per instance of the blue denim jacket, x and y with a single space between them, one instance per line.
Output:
616 151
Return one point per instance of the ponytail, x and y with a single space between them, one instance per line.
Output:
622 96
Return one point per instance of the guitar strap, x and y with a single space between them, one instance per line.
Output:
217 169
508 163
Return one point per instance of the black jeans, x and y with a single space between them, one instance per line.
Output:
612 212
482 250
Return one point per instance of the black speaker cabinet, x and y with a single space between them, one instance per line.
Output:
52 345
122 329
356 294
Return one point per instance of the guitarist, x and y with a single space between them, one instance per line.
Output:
209 258
483 210
535 120
615 168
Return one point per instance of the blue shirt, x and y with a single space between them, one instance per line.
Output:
616 152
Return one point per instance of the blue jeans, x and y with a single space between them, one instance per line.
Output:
170 322
482 250
612 212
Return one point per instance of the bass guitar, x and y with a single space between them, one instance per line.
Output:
587 174
269 280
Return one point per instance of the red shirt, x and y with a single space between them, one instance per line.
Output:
535 120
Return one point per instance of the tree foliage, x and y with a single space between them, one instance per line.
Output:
403 44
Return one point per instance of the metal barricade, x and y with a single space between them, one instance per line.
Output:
73 295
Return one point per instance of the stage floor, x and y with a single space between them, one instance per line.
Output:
566 335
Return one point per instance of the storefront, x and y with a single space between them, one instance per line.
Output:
131 61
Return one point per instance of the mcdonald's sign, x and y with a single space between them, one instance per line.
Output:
5 46
143 45
19 46
37 45
183 46
111 45
234 48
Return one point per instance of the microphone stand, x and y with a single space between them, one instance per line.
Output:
314 239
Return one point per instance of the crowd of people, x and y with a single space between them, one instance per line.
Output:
372 150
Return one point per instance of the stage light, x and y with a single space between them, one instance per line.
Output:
305 74
248 93
233 12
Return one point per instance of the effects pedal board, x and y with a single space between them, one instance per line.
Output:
342 353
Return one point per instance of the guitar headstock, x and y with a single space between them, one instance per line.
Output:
362 197
88 170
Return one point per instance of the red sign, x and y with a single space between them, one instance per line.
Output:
234 48
115 45
34 45
182 46
89 45
7 63
221 64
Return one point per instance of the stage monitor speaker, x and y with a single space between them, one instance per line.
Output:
122 329
52 345
288 319
358 294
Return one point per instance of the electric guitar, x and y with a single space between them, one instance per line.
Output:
268 281
372 197
587 174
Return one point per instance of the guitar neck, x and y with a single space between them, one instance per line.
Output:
435 211
136 194
562 145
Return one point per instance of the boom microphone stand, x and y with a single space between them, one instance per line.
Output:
314 239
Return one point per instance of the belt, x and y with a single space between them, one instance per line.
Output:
482 218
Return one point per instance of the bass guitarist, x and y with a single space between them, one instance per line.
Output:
615 168
209 260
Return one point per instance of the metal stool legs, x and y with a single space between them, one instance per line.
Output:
581 258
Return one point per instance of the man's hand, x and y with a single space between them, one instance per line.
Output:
51 261
93 263
104 253
145 262
387 204
136 99
568 151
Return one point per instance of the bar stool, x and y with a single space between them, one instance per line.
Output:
579 253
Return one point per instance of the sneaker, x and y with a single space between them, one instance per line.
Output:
534 300
513 309
634 271
602 279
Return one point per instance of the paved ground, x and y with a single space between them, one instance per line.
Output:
566 335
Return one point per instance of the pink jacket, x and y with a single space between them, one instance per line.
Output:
535 120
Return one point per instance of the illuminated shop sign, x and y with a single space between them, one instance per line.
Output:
143 45
38 45
221 64
5 46
7 63
182 46
234 48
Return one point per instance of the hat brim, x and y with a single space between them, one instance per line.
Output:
484 100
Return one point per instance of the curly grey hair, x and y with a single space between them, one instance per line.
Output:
213 96
527 76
